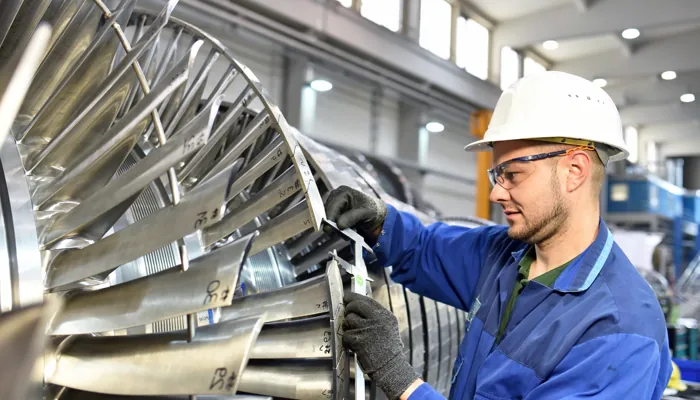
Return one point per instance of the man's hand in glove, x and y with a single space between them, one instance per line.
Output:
372 333
350 208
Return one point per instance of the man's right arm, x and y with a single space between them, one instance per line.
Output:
440 261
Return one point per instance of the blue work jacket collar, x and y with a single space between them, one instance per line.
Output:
582 271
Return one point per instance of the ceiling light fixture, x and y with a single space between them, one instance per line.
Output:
434 127
600 82
321 85
668 75
688 98
550 45
631 33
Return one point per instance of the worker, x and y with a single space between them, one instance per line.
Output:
555 308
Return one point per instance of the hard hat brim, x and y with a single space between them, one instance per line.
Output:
486 145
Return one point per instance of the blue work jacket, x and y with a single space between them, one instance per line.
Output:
599 333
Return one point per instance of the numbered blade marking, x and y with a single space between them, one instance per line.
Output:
310 338
281 188
135 365
303 381
208 283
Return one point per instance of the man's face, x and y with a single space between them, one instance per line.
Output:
533 198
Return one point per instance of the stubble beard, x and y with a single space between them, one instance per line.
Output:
542 227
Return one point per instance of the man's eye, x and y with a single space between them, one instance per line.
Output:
510 175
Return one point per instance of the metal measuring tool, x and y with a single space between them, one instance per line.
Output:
359 284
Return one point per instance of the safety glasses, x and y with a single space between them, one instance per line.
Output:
510 173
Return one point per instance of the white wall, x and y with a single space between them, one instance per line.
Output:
446 153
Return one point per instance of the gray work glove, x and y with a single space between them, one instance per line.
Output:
372 333
350 208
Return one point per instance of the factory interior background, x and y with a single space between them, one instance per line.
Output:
380 95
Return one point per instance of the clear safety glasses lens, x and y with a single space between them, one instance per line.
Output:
511 173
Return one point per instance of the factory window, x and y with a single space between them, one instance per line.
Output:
510 67
531 66
435 26
472 47
383 12
346 3
631 135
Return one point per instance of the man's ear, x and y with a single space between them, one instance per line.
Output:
579 168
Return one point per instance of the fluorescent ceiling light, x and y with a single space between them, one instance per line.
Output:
600 82
434 127
551 45
321 85
688 98
668 75
630 33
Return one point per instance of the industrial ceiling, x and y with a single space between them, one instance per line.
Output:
589 35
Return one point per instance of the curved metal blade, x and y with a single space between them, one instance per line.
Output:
72 394
299 380
307 338
135 365
283 227
21 344
14 87
103 198
281 188
82 87
203 158
432 339
201 207
415 319
445 347
303 299
209 282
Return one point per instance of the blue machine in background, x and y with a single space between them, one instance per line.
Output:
648 203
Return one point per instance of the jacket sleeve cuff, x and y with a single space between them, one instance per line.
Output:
425 392
383 246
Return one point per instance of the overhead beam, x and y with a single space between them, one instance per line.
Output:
654 89
677 53
330 26
681 149
566 22
670 132
647 114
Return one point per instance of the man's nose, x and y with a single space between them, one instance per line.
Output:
499 194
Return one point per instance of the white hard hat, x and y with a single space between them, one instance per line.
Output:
556 105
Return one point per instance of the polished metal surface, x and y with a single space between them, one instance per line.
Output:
21 344
280 189
107 196
445 347
303 299
398 307
201 207
432 340
308 338
415 321
298 380
292 222
134 365
209 282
